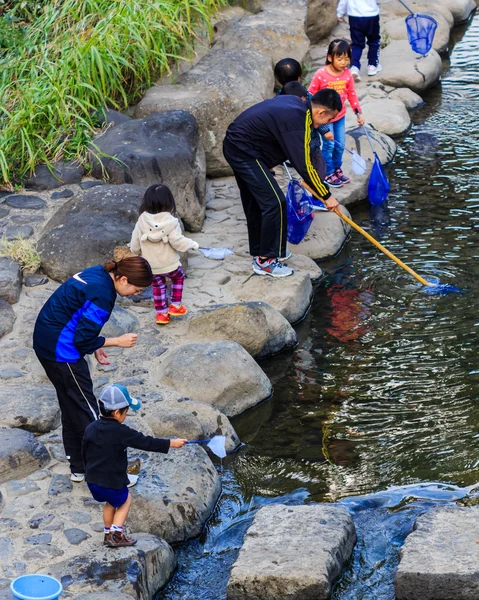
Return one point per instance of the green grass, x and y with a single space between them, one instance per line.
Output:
22 251
62 60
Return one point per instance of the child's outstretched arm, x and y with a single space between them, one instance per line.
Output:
354 100
134 439
181 243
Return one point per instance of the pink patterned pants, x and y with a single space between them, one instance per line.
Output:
159 288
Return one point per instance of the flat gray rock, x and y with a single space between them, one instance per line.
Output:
37 412
39 538
10 373
21 487
440 559
63 194
292 553
44 552
20 454
60 484
222 374
34 280
60 174
10 280
23 201
14 232
7 318
76 536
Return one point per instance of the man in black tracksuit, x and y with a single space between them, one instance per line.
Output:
261 138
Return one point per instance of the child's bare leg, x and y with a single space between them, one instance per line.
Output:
121 513
108 514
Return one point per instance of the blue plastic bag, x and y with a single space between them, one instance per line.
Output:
421 30
378 186
300 212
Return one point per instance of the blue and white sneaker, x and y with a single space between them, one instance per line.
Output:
271 267
288 255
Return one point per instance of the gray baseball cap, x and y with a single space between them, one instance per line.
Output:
116 396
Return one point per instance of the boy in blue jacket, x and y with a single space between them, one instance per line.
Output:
105 458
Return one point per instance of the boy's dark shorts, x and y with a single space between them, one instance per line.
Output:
114 497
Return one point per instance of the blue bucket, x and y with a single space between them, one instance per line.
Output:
36 587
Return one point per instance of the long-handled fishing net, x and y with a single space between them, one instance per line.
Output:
217 445
420 31
300 210
429 287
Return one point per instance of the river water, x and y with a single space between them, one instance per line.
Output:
377 406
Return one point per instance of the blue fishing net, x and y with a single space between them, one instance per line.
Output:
300 212
421 30
378 186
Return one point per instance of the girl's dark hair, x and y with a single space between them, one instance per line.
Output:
135 268
328 98
158 198
287 69
338 48
108 413
294 88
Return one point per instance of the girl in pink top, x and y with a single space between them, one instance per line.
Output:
336 75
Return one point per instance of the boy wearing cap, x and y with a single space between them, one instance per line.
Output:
104 454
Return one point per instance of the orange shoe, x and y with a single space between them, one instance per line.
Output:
177 311
162 318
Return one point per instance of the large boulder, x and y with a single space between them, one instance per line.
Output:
175 494
220 373
292 552
33 408
461 9
410 99
160 148
440 559
387 116
216 90
50 178
256 326
7 318
327 234
276 32
10 280
321 19
396 30
86 229
135 572
20 454
404 68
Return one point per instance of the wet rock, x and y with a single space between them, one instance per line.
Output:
321 19
43 552
21 488
160 148
14 232
7 318
10 280
440 559
215 91
34 408
220 373
20 454
40 538
410 99
319 540
87 228
60 484
387 116
22 201
61 174
290 296
175 494
121 321
34 280
139 570
256 326
76 536
403 68
67 193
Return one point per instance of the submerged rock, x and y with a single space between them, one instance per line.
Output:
292 552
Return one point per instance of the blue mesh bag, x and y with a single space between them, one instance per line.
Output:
378 186
300 212
421 30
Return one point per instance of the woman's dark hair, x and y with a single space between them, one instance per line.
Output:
338 48
108 413
294 88
158 198
287 69
135 268
328 98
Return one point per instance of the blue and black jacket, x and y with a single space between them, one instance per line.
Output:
277 130
69 323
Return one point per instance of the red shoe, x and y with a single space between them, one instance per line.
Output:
177 311
162 318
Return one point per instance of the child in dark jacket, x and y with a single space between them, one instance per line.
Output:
104 455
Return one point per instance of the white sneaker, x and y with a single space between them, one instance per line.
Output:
372 70
355 73
77 477
132 480
271 267
289 254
